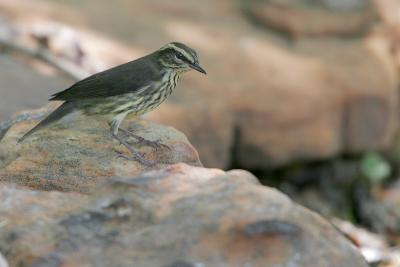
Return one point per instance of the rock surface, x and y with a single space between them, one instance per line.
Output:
177 216
77 155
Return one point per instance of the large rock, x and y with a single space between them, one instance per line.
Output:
177 216
77 155
315 104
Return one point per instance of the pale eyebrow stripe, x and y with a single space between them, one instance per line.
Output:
186 54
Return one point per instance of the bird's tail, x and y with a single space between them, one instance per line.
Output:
56 115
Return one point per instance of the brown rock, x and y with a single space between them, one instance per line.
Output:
344 100
78 155
177 216
299 18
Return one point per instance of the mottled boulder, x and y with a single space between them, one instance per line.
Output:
77 155
177 216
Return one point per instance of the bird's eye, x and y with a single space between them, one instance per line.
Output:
180 56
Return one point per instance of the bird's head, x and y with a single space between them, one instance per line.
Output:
179 57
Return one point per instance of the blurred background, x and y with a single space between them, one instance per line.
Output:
303 93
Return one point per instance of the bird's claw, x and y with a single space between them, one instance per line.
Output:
139 158
143 141
158 145
135 154
154 144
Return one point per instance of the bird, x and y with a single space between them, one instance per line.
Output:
133 88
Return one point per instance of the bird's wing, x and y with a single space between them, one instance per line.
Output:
126 78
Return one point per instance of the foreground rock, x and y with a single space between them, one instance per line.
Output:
80 154
178 216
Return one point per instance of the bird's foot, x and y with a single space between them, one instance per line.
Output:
145 142
135 154
139 158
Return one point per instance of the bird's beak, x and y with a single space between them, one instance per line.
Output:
197 67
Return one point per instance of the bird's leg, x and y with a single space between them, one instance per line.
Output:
144 142
135 154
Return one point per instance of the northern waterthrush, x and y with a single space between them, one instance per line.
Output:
133 88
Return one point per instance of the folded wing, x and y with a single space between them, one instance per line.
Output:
122 79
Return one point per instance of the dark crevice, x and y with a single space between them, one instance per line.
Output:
235 150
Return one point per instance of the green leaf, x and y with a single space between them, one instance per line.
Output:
375 167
